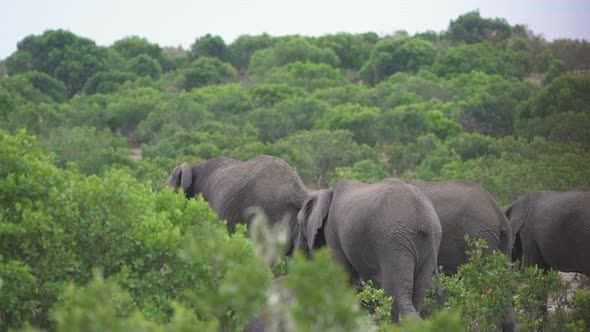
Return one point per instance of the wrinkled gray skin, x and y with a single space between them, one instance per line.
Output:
464 207
232 187
552 230
387 232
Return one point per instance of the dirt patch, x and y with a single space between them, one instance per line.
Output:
576 281
311 191
136 153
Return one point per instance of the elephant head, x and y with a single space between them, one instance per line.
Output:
182 177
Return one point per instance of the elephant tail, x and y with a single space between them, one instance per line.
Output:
440 296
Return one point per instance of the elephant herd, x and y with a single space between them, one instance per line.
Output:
395 231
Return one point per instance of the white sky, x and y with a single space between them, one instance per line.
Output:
180 22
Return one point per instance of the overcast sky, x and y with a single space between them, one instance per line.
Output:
180 22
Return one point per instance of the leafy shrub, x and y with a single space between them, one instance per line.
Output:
488 283
92 150
580 304
58 225
366 171
375 300
107 82
206 71
531 302
325 301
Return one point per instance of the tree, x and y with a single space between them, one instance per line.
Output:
209 46
285 117
92 150
207 71
314 153
144 65
271 123
125 111
353 117
403 88
267 94
488 103
36 87
472 146
393 55
310 76
482 57
574 53
227 102
107 82
240 50
566 93
366 171
471 28
405 123
524 166
352 49
60 54
556 68
131 47
29 101
296 49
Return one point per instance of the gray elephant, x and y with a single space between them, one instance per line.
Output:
387 232
464 207
233 187
552 230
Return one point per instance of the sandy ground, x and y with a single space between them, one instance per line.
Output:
576 281
136 153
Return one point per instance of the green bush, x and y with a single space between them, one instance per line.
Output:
366 171
488 288
324 299
92 150
580 304
532 297
57 225
375 300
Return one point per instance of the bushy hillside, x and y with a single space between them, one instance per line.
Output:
484 101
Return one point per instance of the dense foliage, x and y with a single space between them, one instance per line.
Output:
90 237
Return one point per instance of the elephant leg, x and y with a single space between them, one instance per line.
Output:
421 283
531 256
339 256
397 281
509 323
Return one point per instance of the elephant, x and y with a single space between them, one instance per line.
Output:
233 187
387 232
552 230
464 207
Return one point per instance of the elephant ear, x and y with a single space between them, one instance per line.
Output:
181 177
312 215
518 214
